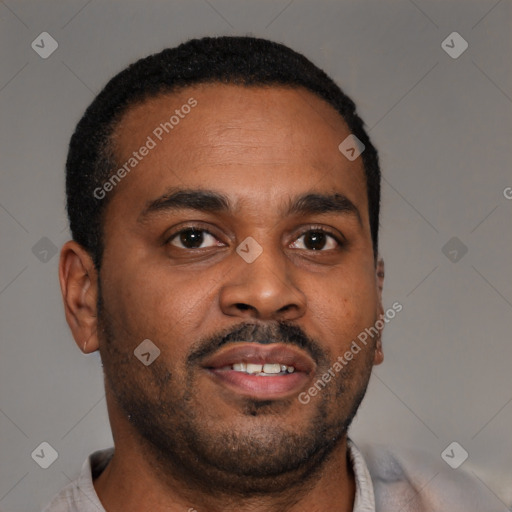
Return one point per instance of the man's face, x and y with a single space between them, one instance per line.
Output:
173 275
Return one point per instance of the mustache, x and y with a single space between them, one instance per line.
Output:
266 334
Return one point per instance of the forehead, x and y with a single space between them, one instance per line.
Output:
239 140
280 115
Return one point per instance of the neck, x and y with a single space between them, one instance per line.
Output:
132 482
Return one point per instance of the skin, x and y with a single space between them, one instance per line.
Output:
182 440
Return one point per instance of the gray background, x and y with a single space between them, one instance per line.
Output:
443 128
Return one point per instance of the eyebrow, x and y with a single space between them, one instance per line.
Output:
211 201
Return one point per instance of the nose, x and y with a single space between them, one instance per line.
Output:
264 289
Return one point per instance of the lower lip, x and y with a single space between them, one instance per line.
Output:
255 386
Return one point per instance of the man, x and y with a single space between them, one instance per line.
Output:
223 199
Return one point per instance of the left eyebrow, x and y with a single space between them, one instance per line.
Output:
315 203
211 201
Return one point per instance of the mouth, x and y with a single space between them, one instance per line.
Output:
265 372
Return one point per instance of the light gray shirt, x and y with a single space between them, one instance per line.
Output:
385 482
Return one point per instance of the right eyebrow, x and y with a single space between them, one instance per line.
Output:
181 199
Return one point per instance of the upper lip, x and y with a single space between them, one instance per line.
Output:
257 353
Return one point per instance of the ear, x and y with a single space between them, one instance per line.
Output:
379 278
79 286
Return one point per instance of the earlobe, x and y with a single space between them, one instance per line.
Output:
79 286
379 354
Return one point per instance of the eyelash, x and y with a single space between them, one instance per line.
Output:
312 228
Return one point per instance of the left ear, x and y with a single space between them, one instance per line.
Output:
379 279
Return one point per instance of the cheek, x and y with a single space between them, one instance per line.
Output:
157 303
341 311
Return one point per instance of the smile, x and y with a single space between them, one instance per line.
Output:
263 371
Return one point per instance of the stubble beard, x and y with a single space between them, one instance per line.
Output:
263 457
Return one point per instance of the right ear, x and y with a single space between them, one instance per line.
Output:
79 286
379 275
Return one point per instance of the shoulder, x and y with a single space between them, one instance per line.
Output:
414 481
79 495
64 501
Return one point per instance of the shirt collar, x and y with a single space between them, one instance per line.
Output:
364 500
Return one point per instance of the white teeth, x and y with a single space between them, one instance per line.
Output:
272 368
254 368
261 369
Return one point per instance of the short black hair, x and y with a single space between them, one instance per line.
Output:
244 61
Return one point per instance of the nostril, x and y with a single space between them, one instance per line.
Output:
242 306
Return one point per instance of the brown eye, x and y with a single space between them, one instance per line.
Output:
192 238
316 240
